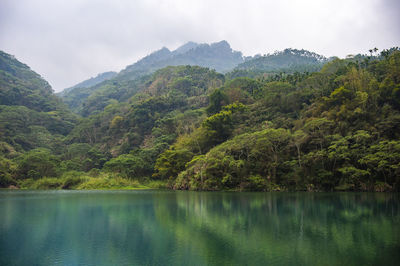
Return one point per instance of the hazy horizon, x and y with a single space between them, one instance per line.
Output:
67 42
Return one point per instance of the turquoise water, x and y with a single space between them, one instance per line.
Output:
198 228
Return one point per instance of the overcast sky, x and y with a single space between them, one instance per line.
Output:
72 40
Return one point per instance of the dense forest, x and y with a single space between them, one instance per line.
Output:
292 120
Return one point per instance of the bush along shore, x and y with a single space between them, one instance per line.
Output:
83 181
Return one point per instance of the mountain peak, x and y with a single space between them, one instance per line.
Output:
289 60
164 49
222 44
90 82
186 47
218 56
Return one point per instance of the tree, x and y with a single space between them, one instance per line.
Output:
217 99
7 167
128 165
171 162
37 163
299 138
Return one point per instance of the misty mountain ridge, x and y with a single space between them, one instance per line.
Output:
90 82
31 116
218 56
186 47
21 86
288 60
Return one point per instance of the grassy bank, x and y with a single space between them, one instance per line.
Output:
84 181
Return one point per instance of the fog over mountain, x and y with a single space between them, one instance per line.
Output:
91 82
69 41
218 56
95 93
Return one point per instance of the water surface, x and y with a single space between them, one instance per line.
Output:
198 228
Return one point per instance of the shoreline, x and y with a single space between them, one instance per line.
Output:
169 189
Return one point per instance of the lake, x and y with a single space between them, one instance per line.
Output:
198 228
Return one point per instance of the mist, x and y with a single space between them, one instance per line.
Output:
70 41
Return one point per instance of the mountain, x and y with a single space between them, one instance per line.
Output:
90 82
287 61
21 86
218 56
31 115
335 129
167 92
189 127
186 47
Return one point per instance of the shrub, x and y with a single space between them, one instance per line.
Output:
255 183
48 183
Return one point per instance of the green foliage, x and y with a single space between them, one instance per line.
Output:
186 128
217 100
241 89
21 86
128 165
90 82
288 60
25 129
31 116
344 126
234 163
171 162
83 157
189 80
383 160
110 182
48 183
154 114
78 180
7 167
36 164
219 126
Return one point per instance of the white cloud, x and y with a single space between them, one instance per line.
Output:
72 40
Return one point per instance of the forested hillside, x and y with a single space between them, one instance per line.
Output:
91 96
336 129
193 128
288 61
31 115
90 82
32 118
218 56
21 86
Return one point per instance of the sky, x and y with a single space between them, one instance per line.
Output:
68 41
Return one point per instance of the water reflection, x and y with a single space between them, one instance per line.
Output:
196 228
